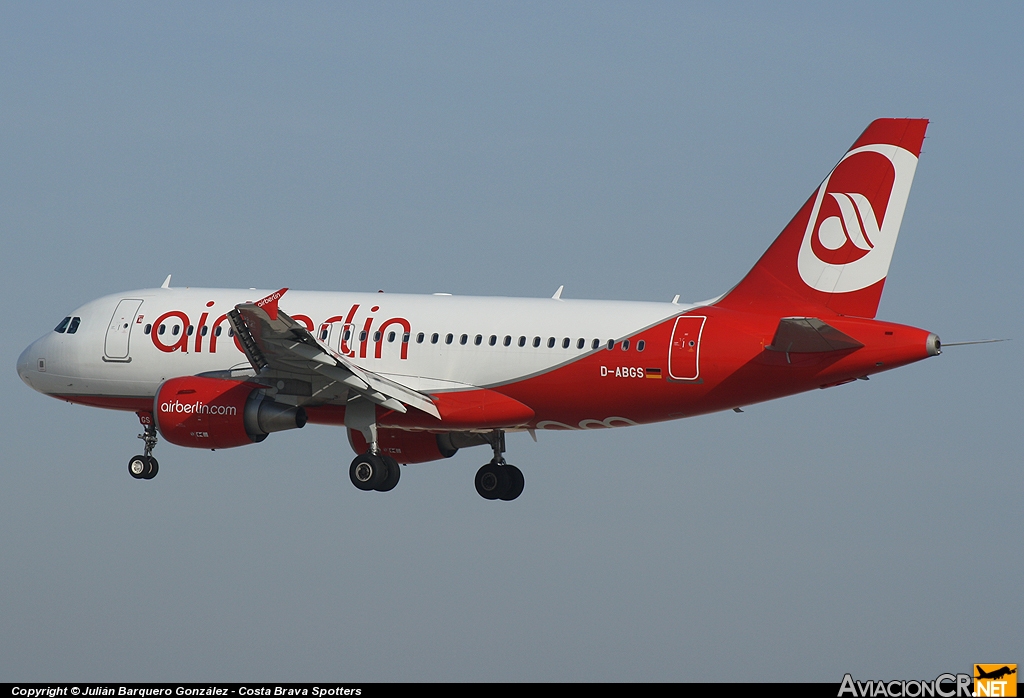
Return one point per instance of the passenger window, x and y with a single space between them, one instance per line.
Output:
73 327
448 338
419 338
203 330
231 332
625 345
522 341
493 340
216 331
348 335
536 342
188 331
611 344
362 336
175 330
433 338
323 335
597 343
640 345
463 339
376 336
551 342
63 325
391 336
479 340
164 327
508 341
147 329
565 343
581 343
405 338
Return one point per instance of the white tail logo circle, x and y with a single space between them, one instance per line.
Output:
847 246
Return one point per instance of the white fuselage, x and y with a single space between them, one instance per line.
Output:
188 335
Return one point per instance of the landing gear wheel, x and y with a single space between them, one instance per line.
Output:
393 473
368 472
516 482
143 467
138 467
492 481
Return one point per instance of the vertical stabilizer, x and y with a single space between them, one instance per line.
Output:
835 253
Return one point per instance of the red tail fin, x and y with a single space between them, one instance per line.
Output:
835 253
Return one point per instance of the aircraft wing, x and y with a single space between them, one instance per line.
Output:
274 341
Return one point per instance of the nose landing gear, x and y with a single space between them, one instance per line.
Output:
145 467
498 479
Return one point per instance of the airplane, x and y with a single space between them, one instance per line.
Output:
415 378
996 674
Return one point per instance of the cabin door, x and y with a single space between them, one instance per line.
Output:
684 351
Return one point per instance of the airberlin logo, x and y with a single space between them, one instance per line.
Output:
197 408
852 229
857 220
173 331
276 295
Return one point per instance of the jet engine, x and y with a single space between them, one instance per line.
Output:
416 446
217 413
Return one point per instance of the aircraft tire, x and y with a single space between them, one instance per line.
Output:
516 483
138 466
367 472
393 474
154 468
492 481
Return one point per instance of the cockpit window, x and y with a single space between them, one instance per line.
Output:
75 322
63 325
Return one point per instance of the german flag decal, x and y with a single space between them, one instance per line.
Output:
652 373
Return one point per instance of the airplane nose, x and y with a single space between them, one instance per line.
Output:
27 363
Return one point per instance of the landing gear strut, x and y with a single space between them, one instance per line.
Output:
498 479
145 467
371 470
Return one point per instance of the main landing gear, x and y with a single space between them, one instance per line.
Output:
373 471
498 479
145 467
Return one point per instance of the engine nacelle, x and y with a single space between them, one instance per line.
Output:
417 446
218 413
405 446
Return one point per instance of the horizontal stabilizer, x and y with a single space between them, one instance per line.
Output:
805 335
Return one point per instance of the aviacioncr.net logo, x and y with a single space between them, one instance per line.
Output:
852 229
944 686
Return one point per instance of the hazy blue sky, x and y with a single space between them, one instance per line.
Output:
632 151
